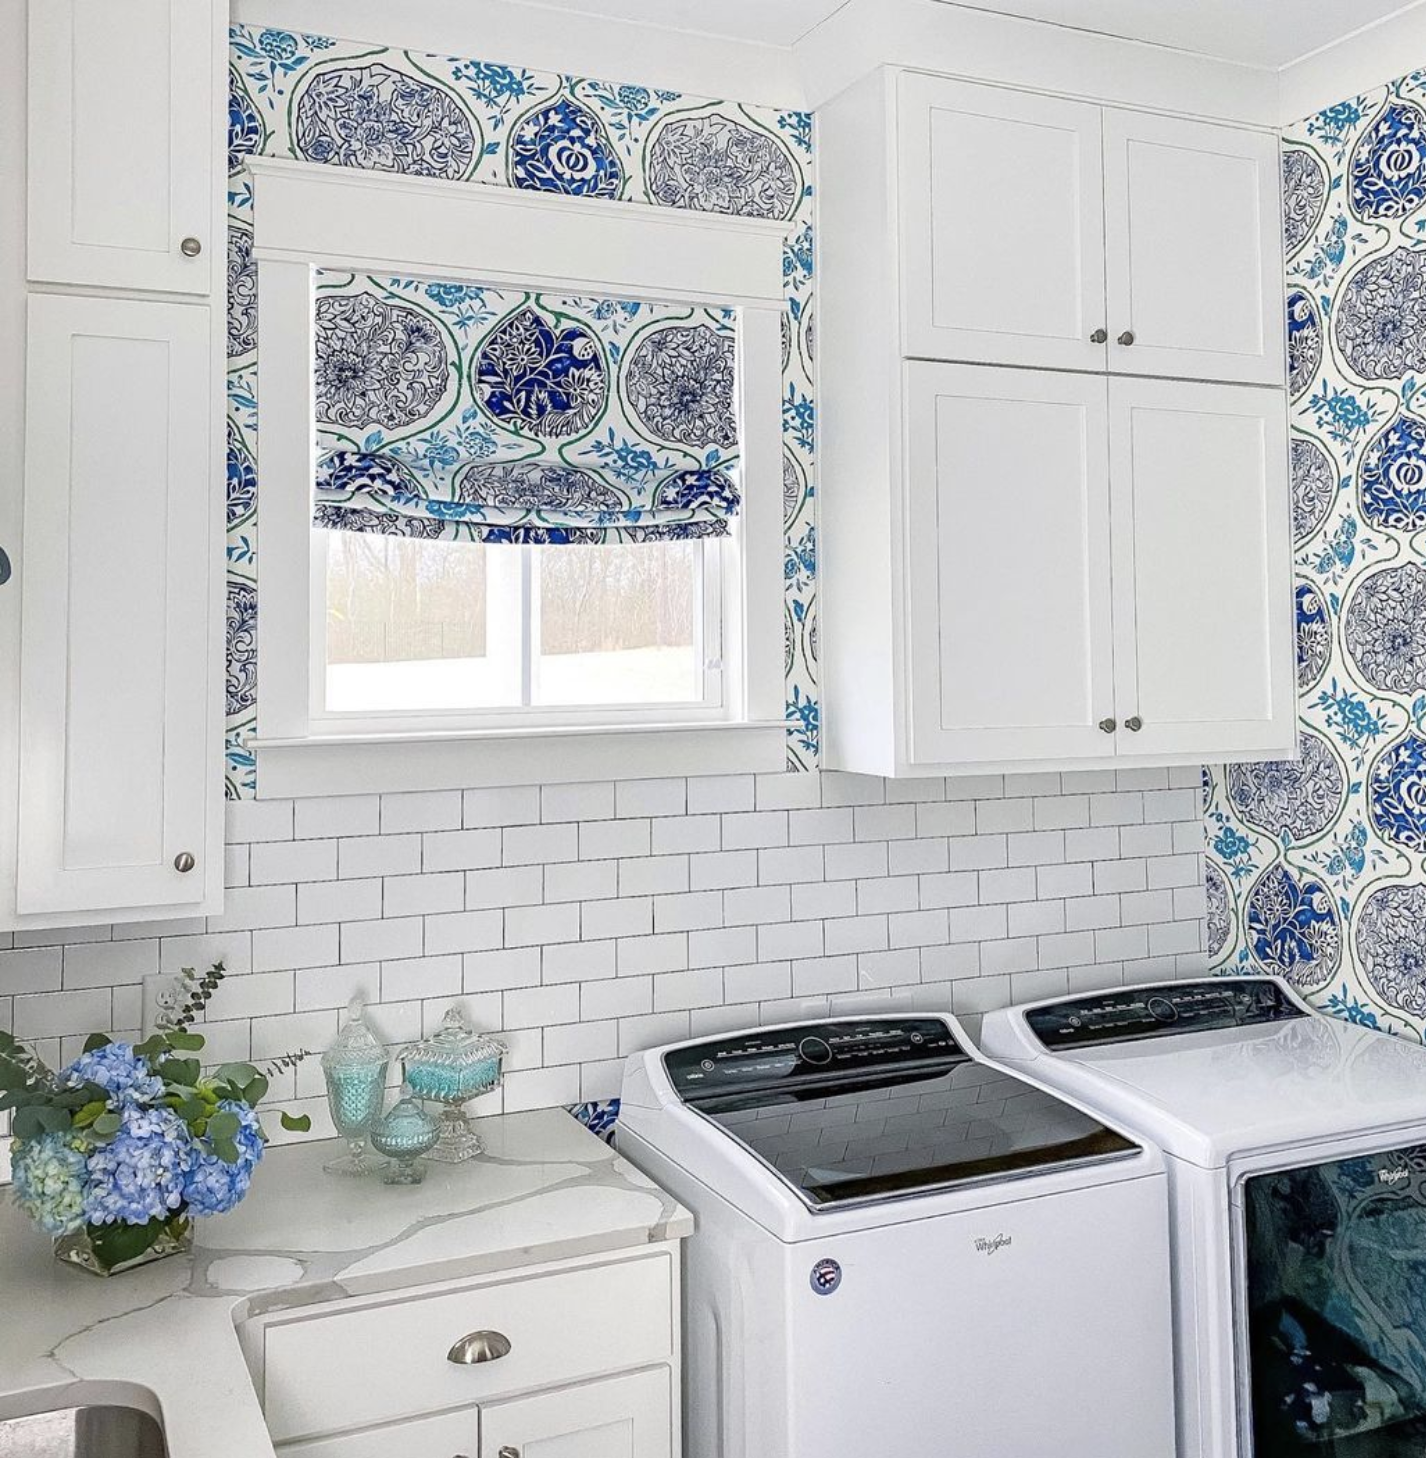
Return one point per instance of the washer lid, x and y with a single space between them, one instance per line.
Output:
850 1113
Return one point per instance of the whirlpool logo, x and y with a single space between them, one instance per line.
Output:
1392 1176
989 1245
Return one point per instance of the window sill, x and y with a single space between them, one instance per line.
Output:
348 764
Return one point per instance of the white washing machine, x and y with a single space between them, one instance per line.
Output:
1296 1148
903 1251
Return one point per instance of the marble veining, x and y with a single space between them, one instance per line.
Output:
545 1190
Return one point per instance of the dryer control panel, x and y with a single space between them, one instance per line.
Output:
1156 1012
811 1054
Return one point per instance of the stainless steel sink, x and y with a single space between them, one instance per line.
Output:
95 1431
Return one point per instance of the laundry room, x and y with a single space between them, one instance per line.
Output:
581 893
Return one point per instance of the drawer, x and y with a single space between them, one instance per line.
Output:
434 1437
382 1361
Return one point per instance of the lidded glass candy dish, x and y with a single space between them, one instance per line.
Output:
451 1067
404 1134
355 1069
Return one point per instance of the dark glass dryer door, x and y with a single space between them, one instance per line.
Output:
852 1112
1336 1285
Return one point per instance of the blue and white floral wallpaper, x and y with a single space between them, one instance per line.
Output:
347 104
1317 868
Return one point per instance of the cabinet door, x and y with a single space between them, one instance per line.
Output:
623 1417
450 1435
117 761
1007 598
1203 601
123 142
1002 227
1193 242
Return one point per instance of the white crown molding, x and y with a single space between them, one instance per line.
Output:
1370 58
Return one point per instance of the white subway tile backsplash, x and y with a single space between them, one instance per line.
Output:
587 921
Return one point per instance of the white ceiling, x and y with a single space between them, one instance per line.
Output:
1269 33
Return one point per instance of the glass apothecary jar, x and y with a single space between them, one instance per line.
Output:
453 1066
404 1133
355 1069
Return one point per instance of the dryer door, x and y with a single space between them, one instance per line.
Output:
1335 1258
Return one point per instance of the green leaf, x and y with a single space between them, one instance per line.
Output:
108 1124
191 1109
186 1042
115 1244
38 1119
223 1125
295 1123
89 1113
226 1150
184 1072
152 1047
238 1074
95 1041
256 1091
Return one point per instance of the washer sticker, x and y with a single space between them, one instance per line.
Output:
826 1277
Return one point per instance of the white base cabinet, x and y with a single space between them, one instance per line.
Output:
586 1365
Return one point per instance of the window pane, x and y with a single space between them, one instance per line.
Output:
619 624
407 626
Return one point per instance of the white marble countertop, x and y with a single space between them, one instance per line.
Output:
164 1337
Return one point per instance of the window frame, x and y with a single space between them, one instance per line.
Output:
309 218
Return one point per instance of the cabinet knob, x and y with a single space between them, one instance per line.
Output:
508 1452
1100 336
4 567
1134 725
184 862
191 247
1127 338
1108 725
479 1346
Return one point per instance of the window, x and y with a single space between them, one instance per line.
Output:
509 490
434 631
523 506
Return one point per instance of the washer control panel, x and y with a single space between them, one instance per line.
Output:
1156 1012
782 1057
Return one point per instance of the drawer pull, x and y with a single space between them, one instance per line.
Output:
508 1453
479 1346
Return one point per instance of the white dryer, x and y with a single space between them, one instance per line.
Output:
903 1251
1296 1149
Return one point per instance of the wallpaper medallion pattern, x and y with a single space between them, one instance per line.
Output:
345 104
1317 868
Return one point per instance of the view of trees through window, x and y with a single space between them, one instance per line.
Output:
436 624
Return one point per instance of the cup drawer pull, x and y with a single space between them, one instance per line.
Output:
479 1346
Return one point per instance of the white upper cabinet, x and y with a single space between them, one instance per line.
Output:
993 674
1002 226
1063 235
122 197
1193 251
116 750
1202 570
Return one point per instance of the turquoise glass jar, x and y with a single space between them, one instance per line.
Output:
451 1067
404 1133
355 1070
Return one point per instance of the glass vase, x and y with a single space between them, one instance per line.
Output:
404 1135
452 1067
355 1070
78 1249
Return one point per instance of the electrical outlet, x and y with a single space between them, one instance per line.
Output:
163 996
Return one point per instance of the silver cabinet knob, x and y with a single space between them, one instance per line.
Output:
1127 338
184 862
508 1453
4 567
1108 725
191 247
1100 336
479 1346
1134 725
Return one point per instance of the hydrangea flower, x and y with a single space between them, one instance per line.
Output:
49 1179
214 1187
139 1175
119 1071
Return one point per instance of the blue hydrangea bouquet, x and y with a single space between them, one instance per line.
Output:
116 1153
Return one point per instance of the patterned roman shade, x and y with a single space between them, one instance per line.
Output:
452 411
